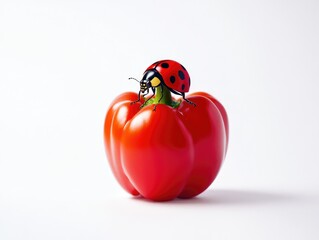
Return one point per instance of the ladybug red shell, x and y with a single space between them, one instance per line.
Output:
164 73
173 74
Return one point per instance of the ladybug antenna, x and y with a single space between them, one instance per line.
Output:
131 78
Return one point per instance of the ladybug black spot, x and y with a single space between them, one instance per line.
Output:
164 65
181 75
183 86
172 79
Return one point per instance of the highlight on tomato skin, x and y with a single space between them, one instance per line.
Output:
206 126
161 147
160 167
221 109
112 136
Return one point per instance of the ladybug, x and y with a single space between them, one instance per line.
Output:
168 73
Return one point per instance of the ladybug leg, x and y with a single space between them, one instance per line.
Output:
147 91
189 102
139 98
183 95
153 89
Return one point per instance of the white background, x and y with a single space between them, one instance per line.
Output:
63 62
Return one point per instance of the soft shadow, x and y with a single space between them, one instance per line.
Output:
231 197
242 197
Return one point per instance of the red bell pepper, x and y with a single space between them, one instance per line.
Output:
175 150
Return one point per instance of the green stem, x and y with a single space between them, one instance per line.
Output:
163 96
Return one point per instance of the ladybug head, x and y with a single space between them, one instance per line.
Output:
144 84
151 79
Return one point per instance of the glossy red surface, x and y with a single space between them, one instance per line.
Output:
167 153
172 69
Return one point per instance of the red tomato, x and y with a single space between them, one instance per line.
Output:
167 153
